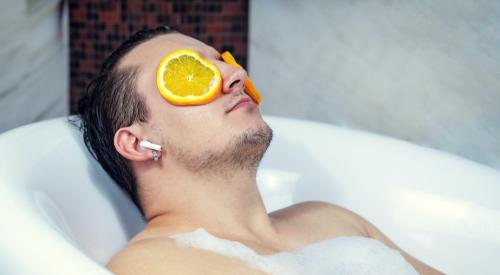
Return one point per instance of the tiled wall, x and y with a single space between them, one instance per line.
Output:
97 27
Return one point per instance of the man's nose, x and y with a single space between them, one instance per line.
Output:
233 79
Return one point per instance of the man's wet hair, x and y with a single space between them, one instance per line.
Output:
111 102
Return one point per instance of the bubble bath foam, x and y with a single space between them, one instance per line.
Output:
342 255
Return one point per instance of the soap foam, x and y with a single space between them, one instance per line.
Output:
342 255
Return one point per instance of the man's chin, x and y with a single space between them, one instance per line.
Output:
256 135
248 148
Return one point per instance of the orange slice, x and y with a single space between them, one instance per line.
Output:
185 78
249 86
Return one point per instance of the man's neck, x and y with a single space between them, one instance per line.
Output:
226 204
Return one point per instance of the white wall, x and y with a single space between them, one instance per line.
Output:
34 63
424 71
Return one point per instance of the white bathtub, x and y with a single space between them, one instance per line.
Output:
61 214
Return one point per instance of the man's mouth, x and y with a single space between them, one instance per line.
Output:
242 103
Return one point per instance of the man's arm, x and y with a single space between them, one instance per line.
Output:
163 256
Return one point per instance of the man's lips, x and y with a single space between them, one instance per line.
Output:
242 101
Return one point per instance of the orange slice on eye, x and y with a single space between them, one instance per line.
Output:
185 78
249 86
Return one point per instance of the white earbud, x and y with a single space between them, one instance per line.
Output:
146 144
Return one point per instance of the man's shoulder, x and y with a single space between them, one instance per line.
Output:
321 219
315 208
139 256
164 256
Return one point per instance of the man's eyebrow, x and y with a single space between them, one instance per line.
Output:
209 53
215 53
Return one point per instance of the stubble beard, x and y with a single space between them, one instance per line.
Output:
244 152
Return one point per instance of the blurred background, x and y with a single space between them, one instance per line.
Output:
423 71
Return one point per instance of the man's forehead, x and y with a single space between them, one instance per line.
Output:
153 50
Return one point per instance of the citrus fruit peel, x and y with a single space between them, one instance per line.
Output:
184 77
250 88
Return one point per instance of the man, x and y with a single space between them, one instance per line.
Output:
204 175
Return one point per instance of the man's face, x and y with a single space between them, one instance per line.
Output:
190 132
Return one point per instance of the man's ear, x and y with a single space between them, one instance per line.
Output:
127 144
